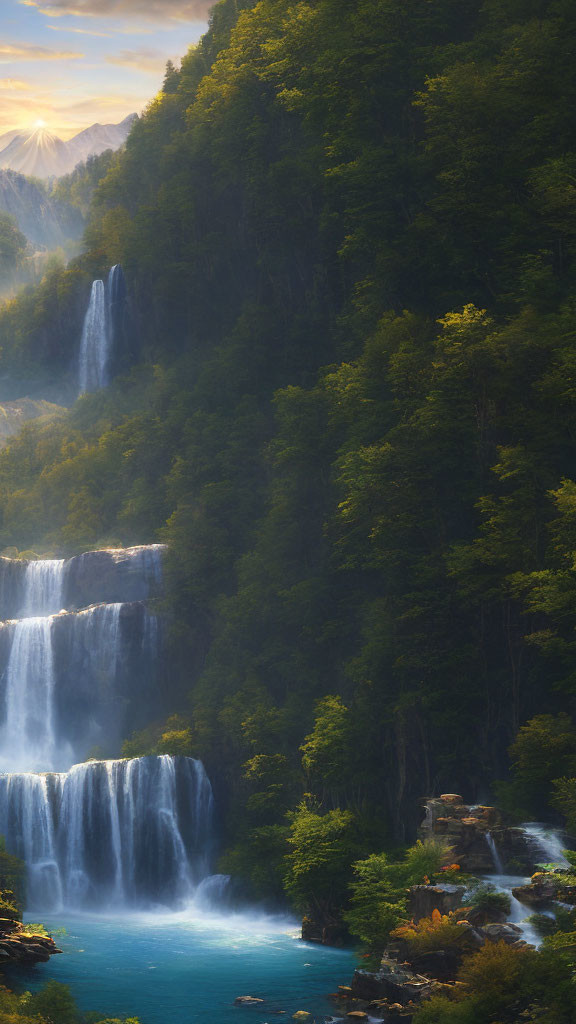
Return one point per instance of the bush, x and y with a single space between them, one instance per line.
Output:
439 931
379 890
485 897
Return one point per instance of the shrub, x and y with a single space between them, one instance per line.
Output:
379 890
485 897
439 931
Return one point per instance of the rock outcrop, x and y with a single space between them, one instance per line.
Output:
18 946
327 932
479 840
543 889
424 899
394 982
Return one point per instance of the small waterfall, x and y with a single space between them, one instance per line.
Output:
94 347
496 858
101 323
43 587
116 294
135 833
547 842
28 739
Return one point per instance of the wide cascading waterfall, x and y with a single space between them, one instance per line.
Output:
133 833
94 344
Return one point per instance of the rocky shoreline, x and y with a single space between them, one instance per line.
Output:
482 845
21 947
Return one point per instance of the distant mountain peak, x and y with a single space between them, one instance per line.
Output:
41 154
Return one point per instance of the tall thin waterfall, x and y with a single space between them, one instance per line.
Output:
28 738
111 833
94 347
100 328
494 853
43 587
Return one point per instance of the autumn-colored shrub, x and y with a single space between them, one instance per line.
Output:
439 931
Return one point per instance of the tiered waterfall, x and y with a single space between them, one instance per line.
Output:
80 650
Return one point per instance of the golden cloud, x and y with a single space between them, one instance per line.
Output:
152 61
13 85
172 10
79 31
22 51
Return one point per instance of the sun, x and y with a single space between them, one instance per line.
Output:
40 123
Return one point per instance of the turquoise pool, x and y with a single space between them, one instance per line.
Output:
179 969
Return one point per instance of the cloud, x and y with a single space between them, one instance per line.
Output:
152 61
79 31
171 10
21 110
13 85
24 51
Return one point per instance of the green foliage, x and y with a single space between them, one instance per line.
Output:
440 931
12 883
12 246
564 799
485 897
54 1002
322 848
500 983
379 890
544 749
370 513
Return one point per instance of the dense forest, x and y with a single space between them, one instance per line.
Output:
349 235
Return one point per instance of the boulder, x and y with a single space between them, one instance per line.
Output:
327 932
439 965
508 933
398 984
542 890
478 917
466 830
426 898
247 1001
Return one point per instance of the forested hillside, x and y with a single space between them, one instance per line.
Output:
348 232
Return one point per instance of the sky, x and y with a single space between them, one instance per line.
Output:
71 63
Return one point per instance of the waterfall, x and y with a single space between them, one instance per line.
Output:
75 674
96 641
547 842
496 859
94 343
100 330
72 681
43 587
134 833
115 289
28 739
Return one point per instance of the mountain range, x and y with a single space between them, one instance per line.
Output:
41 154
